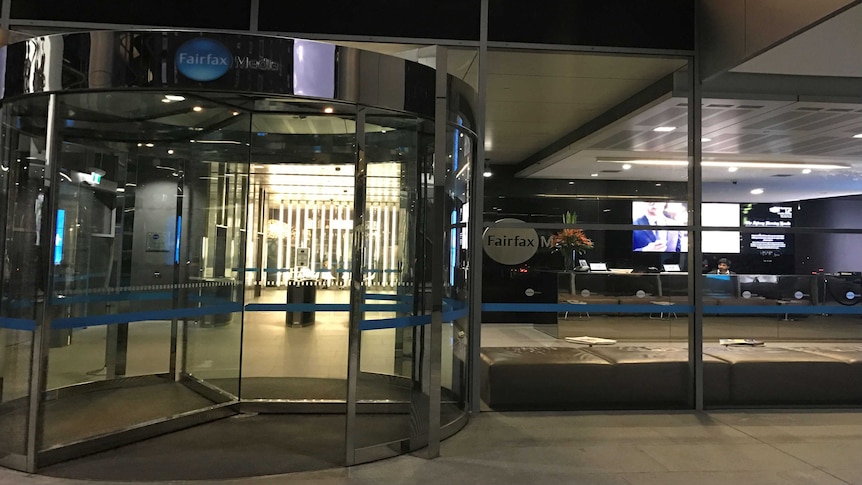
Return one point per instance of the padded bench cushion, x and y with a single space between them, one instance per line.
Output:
660 374
538 377
778 375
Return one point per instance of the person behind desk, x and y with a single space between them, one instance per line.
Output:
657 240
723 267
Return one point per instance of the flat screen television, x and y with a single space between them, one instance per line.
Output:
665 217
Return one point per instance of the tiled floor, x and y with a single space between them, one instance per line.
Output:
767 447
631 448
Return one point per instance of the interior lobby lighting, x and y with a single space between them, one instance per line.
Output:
756 191
571 183
732 169
627 166
664 129
806 170
328 110
149 145
704 139
217 142
174 97
594 175
197 109
726 164
170 152
857 135
486 174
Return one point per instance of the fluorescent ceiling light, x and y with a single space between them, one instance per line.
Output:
664 129
706 139
806 170
858 135
732 169
627 166
726 164
217 142
175 97
756 191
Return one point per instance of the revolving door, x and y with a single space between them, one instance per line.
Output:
184 245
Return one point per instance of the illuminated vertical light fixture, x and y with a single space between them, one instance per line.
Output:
288 230
281 256
339 255
302 236
298 227
312 224
330 249
372 240
249 243
397 250
384 238
348 236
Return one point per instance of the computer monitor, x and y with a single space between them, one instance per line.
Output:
720 286
670 267
598 266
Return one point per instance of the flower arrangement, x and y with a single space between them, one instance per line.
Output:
572 239
571 242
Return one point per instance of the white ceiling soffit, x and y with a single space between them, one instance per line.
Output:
740 132
828 49
536 98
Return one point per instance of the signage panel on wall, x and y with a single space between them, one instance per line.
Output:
233 62
510 245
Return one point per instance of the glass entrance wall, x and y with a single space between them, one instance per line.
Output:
191 247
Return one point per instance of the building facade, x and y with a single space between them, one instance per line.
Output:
201 196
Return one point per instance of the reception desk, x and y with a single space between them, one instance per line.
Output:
610 283
811 288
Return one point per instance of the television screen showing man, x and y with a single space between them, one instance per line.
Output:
660 215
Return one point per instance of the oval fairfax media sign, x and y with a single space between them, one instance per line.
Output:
203 59
510 245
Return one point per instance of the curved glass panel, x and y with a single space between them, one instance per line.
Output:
21 186
174 255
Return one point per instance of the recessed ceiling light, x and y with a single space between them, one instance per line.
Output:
197 109
756 191
664 129
235 113
328 109
149 145
170 152
705 139
175 97
725 164
166 100
594 175
627 166
571 183
658 185
858 135
486 174
732 169
806 171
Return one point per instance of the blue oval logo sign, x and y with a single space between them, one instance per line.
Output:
203 59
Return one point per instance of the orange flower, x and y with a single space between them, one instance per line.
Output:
572 239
